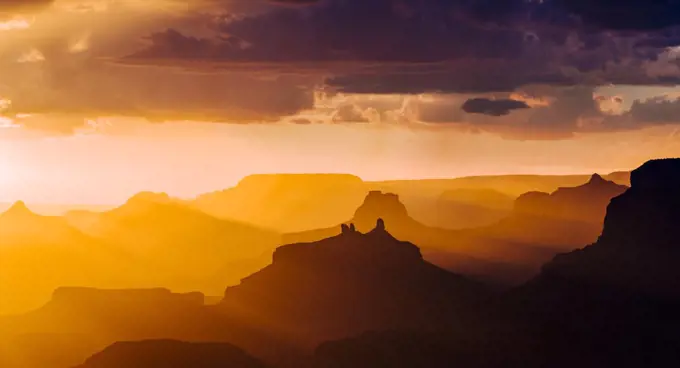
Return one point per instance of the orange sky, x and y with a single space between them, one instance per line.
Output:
186 159
100 99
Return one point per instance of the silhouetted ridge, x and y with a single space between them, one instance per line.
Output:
615 302
376 205
88 297
648 215
352 246
639 248
596 179
586 202
657 174
348 284
171 354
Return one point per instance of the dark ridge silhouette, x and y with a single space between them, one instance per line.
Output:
540 226
615 302
348 284
362 298
376 205
568 217
640 242
612 304
508 252
335 288
171 354
587 202
409 349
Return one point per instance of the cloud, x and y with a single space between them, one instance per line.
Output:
90 89
625 14
345 31
350 114
657 110
300 121
294 2
425 46
492 107
571 110
527 69
12 7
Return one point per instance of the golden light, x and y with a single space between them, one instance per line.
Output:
32 56
79 45
15 24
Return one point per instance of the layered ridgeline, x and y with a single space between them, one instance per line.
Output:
287 202
615 302
150 241
41 253
78 322
335 288
639 249
566 217
351 283
463 208
509 251
300 202
611 304
182 248
376 205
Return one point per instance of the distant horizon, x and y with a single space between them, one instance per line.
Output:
6 203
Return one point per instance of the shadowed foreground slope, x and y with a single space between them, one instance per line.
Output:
615 302
612 304
171 354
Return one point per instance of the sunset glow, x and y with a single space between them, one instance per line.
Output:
339 183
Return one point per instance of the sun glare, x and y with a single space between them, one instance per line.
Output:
15 24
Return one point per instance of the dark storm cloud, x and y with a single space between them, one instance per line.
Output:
416 46
467 76
294 2
661 110
262 61
492 107
345 31
625 14
556 113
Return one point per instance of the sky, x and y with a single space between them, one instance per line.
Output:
100 99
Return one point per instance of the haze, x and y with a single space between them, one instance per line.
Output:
339 183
